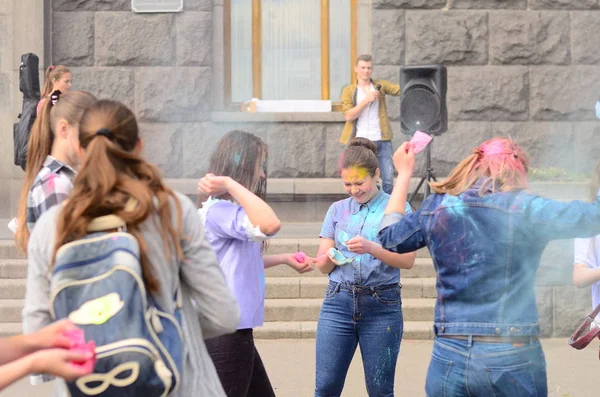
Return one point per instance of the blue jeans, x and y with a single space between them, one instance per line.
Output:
353 315
462 368
386 166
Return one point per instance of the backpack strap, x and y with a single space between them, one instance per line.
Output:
586 332
106 222
109 222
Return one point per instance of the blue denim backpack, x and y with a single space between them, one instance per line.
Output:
97 284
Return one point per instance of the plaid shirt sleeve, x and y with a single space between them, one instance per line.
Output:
51 190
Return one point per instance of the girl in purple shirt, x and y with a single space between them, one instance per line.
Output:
238 222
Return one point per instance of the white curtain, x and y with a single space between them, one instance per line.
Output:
241 50
340 64
291 49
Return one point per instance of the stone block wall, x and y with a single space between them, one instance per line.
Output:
21 31
524 68
160 65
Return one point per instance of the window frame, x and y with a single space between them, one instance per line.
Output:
257 50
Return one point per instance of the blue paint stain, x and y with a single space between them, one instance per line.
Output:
237 159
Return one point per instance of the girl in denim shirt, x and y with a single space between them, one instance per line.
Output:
362 304
486 236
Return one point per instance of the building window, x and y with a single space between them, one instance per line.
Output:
289 49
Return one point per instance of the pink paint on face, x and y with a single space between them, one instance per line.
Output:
359 184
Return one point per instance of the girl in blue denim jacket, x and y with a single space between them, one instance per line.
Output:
362 304
486 236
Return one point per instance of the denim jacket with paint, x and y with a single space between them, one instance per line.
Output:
486 250
346 219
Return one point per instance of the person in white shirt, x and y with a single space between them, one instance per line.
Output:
365 112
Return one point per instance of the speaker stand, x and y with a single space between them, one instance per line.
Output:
429 176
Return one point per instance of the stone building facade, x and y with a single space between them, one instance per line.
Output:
525 68
528 69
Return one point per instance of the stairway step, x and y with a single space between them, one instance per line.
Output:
8 250
12 288
10 329
314 287
413 330
13 268
10 310
309 309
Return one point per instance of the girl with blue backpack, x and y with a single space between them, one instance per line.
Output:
123 258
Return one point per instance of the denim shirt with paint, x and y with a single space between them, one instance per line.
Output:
486 250
346 219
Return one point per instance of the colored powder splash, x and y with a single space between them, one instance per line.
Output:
300 257
237 159
337 257
354 174
342 237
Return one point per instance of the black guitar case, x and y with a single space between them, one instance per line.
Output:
29 85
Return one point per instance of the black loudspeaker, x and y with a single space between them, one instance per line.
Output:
423 100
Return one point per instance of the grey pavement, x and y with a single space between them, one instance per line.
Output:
291 366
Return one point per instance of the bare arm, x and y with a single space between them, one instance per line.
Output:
258 211
404 163
399 261
361 245
323 262
584 276
288 259
56 362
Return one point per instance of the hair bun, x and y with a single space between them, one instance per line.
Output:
363 142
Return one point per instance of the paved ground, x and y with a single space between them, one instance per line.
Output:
290 363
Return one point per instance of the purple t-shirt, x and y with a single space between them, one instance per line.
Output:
237 244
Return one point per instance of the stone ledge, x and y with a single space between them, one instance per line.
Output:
283 186
278 117
333 186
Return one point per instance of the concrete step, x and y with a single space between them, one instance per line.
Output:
413 330
10 310
12 288
13 268
423 268
8 249
314 287
10 329
308 309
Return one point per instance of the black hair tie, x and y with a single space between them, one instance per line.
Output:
105 132
55 96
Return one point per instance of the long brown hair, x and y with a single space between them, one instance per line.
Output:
110 175
53 73
69 107
500 160
238 155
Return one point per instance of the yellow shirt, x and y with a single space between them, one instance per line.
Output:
349 101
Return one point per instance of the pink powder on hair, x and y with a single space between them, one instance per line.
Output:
494 147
